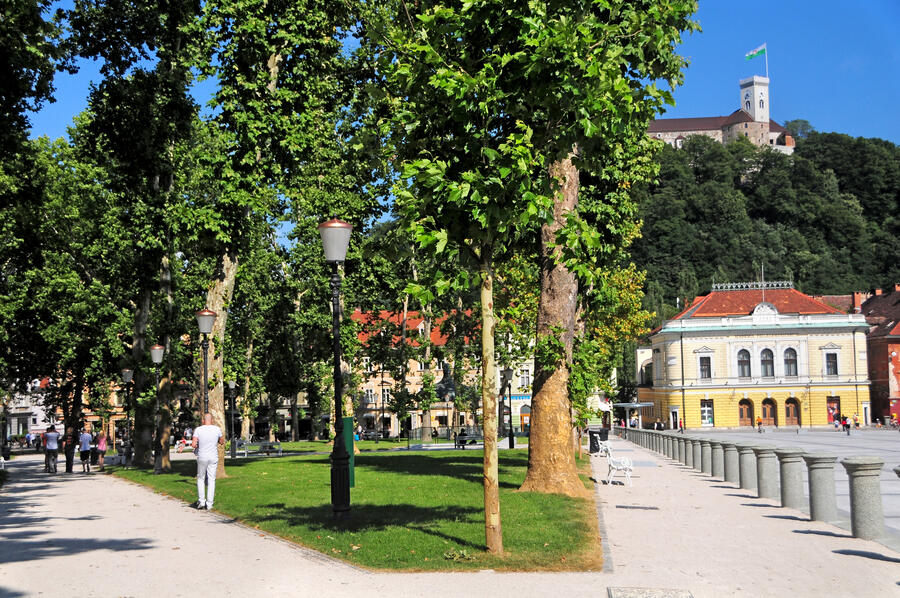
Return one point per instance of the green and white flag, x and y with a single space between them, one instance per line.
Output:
755 52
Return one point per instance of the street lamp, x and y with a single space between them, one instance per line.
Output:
231 385
156 355
205 320
335 239
127 376
508 377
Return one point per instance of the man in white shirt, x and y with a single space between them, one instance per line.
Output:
205 441
84 442
51 449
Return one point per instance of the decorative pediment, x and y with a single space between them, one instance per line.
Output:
765 309
830 346
704 349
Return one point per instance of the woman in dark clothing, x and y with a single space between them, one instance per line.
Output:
70 443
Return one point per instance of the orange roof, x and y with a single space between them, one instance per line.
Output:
413 319
718 304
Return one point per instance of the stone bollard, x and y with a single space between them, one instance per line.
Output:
866 514
706 457
731 465
681 454
689 452
747 466
790 467
667 445
766 472
822 501
718 459
698 459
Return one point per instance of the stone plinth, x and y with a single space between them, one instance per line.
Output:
732 463
790 469
866 514
697 461
718 459
689 452
766 471
705 457
822 501
747 460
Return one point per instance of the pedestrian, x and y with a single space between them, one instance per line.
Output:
681 425
856 420
205 441
28 440
51 449
70 442
846 424
837 421
759 424
101 448
84 449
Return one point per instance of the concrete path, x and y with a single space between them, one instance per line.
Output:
96 535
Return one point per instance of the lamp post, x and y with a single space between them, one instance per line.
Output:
231 385
156 355
205 320
335 239
508 377
127 376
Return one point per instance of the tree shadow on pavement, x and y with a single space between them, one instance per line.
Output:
8 593
818 532
17 550
868 555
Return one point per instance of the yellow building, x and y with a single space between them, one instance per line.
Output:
756 350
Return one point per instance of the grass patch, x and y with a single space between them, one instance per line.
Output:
413 510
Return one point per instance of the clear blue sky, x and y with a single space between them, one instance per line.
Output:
835 64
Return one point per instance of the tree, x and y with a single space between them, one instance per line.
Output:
799 128
501 105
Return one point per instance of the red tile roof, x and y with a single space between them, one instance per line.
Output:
883 313
718 304
413 319
706 123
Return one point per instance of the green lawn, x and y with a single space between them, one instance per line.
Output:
410 510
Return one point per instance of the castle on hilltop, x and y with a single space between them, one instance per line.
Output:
751 120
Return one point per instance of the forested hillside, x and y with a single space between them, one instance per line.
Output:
827 217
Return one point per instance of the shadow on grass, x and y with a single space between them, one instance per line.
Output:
369 518
447 464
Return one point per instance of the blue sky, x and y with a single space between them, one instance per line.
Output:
835 64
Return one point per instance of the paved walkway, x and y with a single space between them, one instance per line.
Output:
96 535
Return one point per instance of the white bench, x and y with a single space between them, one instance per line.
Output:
616 464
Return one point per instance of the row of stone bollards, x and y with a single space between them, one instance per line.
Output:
777 473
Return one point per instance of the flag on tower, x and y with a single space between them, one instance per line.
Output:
755 52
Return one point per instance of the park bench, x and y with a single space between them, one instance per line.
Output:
616 464
464 439
261 447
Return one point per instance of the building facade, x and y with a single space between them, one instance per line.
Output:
756 350
751 121
882 312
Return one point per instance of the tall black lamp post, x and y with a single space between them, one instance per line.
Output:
335 239
156 355
231 385
205 320
508 377
127 376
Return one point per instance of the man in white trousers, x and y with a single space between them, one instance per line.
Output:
205 441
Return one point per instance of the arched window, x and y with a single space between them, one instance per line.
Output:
748 106
767 363
761 104
744 363
790 362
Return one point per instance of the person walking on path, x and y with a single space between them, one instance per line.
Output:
51 449
759 424
84 448
70 441
101 449
206 439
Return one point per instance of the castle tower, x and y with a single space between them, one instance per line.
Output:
755 97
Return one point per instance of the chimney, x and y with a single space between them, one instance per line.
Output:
896 287
858 299
877 292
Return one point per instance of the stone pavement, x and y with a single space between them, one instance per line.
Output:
674 529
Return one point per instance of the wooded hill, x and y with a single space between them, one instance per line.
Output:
827 217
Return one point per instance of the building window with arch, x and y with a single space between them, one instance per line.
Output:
743 363
705 368
831 364
747 105
767 363
790 363
761 104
